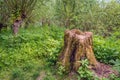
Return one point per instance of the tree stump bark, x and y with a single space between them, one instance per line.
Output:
77 46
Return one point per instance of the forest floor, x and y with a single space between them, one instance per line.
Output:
33 53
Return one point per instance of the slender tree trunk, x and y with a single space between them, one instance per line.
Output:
77 46
15 26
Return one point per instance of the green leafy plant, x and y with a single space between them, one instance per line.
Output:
33 48
83 72
116 65
35 75
104 47
17 74
49 76
61 70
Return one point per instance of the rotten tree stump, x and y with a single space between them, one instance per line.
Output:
77 46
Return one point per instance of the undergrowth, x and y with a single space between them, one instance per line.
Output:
22 55
35 49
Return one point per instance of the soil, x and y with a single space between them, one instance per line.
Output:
104 70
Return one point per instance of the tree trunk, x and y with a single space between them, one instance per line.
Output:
16 26
77 46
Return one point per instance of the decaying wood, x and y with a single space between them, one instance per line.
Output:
77 46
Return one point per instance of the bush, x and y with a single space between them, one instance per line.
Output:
106 49
84 72
38 46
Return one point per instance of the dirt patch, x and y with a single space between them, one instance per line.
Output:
42 75
104 70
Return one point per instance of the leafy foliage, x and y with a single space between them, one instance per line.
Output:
116 64
106 50
19 9
84 72
36 48
30 49
22 57
100 16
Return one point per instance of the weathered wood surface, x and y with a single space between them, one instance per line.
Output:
77 46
